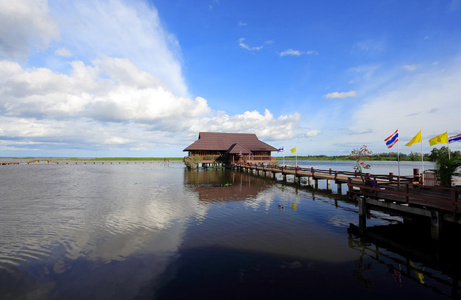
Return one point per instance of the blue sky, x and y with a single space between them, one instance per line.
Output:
143 78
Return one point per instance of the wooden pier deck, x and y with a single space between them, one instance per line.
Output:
84 162
339 177
404 194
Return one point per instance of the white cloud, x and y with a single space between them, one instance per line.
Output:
312 133
264 126
126 94
427 101
340 95
291 52
245 46
410 68
124 107
242 24
123 89
23 24
63 52
122 29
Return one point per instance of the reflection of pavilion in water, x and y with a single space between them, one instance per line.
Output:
433 264
225 185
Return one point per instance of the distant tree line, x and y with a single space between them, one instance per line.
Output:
388 156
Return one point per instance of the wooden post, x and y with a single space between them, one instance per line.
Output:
362 207
454 196
416 176
407 191
362 214
436 224
328 184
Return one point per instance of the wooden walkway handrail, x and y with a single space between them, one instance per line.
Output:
338 176
442 198
386 187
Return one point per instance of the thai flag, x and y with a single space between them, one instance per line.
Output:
280 149
455 138
392 139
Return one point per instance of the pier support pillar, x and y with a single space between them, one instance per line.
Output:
279 176
362 214
436 225
328 184
304 181
339 188
362 206
290 178
316 181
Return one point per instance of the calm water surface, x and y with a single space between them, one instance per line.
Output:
159 231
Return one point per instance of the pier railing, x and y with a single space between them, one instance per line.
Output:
406 190
338 176
410 194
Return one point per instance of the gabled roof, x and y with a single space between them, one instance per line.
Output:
238 148
219 141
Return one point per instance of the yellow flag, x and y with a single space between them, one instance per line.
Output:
416 139
440 139
293 150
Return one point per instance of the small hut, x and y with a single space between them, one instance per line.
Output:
231 148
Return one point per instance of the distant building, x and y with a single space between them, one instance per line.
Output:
231 148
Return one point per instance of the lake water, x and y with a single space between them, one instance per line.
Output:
160 231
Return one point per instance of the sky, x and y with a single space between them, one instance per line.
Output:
142 78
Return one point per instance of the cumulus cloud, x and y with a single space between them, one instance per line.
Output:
126 93
23 24
123 88
340 95
122 29
264 125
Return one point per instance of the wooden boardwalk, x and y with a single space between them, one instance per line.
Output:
85 162
388 192
339 177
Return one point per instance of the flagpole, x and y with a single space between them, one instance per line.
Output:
422 163
398 161
448 147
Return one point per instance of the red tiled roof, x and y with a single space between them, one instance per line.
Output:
218 141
